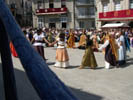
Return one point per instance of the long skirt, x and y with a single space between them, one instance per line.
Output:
40 50
121 53
121 60
62 58
89 58
109 57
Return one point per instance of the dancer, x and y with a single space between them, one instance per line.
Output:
82 41
71 40
38 44
88 59
95 43
111 55
50 37
120 51
62 59
122 43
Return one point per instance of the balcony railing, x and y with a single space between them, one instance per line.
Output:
85 16
84 3
48 11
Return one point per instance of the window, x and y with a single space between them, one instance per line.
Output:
83 11
40 22
39 5
93 24
81 24
105 7
64 25
63 19
63 3
91 11
85 1
131 4
51 4
13 6
117 5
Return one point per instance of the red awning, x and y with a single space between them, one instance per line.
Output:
115 25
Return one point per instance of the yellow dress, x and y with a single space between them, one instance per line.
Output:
71 41
82 40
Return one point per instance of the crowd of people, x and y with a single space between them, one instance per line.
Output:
113 43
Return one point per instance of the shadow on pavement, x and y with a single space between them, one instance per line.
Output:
97 68
24 88
130 59
50 63
129 62
72 67
85 95
27 92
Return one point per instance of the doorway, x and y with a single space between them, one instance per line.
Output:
64 25
52 25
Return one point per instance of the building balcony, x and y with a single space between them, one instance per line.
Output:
85 16
50 11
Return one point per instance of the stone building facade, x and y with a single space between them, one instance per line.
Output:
22 11
63 13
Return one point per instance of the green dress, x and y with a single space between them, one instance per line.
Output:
89 58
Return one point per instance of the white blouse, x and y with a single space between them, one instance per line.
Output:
104 45
61 44
38 38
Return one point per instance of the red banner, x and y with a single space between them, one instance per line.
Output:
51 11
116 14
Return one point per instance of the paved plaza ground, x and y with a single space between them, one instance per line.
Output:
86 84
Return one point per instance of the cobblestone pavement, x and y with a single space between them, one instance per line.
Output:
86 84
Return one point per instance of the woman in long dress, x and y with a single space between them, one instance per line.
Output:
111 54
88 59
82 41
121 50
95 43
71 40
62 58
50 37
